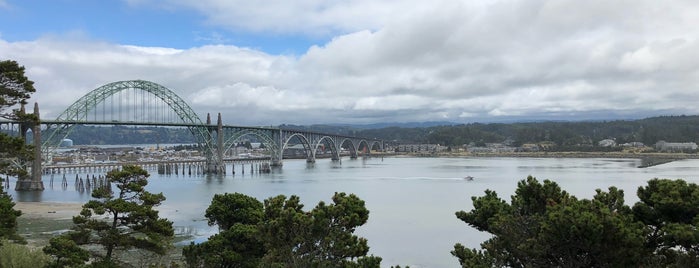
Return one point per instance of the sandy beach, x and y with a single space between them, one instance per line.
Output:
48 210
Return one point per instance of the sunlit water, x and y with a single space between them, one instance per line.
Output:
412 201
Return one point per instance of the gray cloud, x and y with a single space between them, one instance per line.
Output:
398 61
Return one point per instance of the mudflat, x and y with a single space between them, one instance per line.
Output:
48 210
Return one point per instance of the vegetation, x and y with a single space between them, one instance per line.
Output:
8 218
131 221
15 88
14 255
564 136
278 233
543 226
670 211
67 253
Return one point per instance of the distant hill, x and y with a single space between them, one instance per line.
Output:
400 125
562 133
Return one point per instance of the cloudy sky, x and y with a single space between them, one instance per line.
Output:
368 61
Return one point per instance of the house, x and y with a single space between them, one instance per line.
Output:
607 143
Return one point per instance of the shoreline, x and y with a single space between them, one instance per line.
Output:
621 155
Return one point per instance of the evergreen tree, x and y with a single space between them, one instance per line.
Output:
132 221
15 88
8 218
66 252
281 234
543 226
670 211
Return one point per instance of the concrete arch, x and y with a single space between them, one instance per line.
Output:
366 145
266 139
334 148
353 147
304 141
373 143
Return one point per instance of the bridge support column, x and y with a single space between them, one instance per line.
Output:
276 163
310 159
33 183
214 156
278 154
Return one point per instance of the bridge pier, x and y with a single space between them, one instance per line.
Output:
33 182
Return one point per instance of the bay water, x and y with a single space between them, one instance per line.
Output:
412 201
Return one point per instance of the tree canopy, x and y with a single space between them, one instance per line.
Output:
8 218
15 88
544 226
279 233
132 221
670 211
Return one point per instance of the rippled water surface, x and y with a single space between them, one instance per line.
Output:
412 200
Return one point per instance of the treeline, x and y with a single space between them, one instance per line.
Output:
572 135
100 135
563 134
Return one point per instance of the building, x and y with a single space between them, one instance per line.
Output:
420 148
664 146
607 143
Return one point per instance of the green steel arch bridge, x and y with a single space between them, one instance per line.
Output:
144 103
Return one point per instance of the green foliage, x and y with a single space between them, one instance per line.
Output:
66 252
543 226
567 136
20 256
8 218
281 234
670 210
228 209
238 244
131 221
15 87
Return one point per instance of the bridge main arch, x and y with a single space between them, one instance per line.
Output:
81 109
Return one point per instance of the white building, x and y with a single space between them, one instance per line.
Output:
607 143
675 146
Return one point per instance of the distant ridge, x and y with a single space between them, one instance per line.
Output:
400 125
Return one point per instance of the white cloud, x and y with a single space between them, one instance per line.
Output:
404 61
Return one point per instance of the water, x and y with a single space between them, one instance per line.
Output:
412 201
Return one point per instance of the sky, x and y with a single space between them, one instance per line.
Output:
368 61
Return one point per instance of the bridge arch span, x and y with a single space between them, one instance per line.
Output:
261 135
353 148
80 110
304 141
334 149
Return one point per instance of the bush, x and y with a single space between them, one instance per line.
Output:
15 255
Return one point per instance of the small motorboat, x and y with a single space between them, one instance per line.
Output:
468 178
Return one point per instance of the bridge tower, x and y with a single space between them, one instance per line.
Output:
276 157
214 156
32 183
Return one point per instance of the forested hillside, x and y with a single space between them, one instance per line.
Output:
648 131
